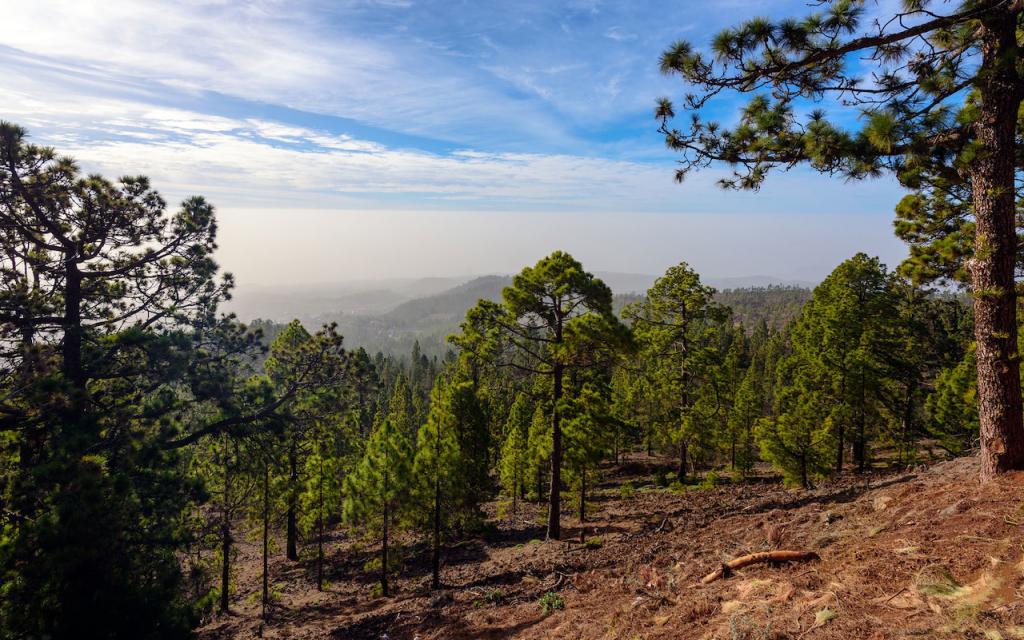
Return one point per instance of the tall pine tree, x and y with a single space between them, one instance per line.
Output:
377 492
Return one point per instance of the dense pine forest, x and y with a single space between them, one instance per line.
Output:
152 436
166 467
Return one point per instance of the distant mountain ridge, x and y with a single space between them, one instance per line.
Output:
747 282
428 310
451 304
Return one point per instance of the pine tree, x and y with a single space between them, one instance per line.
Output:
747 407
377 491
309 402
514 451
472 429
401 411
727 382
554 318
538 445
943 116
844 333
587 432
678 327
441 478
799 440
226 467
321 496
281 367
268 450
953 406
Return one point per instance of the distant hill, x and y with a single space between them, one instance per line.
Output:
282 305
451 305
426 296
429 319
757 282
306 302
775 305
383 320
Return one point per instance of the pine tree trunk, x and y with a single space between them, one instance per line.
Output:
803 472
225 569
555 495
266 540
583 503
225 539
71 348
906 424
860 445
681 472
515 494
540 483
320 530
992 266
31 443
749 447
292 546
840 442
384 554
436 560
840 429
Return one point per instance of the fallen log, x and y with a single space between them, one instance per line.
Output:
755 558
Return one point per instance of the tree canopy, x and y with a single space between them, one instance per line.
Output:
937 88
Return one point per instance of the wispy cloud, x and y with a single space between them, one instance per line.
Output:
272 52
259 162
617 34
367 105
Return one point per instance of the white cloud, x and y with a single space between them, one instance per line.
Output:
269 51
96 79
257 162
619 35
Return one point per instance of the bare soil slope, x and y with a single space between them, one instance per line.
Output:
926 554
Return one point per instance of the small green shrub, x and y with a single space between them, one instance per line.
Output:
593 543
661 479
372 565
376 590
504 509
709 481
627 491
494 596
206 603
550 602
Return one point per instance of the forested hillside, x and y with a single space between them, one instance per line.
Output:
554 453
286 437
775 306
428 321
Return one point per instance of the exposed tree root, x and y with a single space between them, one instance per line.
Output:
755 558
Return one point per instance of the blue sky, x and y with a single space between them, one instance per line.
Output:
332 130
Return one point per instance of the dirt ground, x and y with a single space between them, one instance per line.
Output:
928 553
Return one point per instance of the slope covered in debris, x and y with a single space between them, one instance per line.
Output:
927 553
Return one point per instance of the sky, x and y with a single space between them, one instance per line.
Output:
356 139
